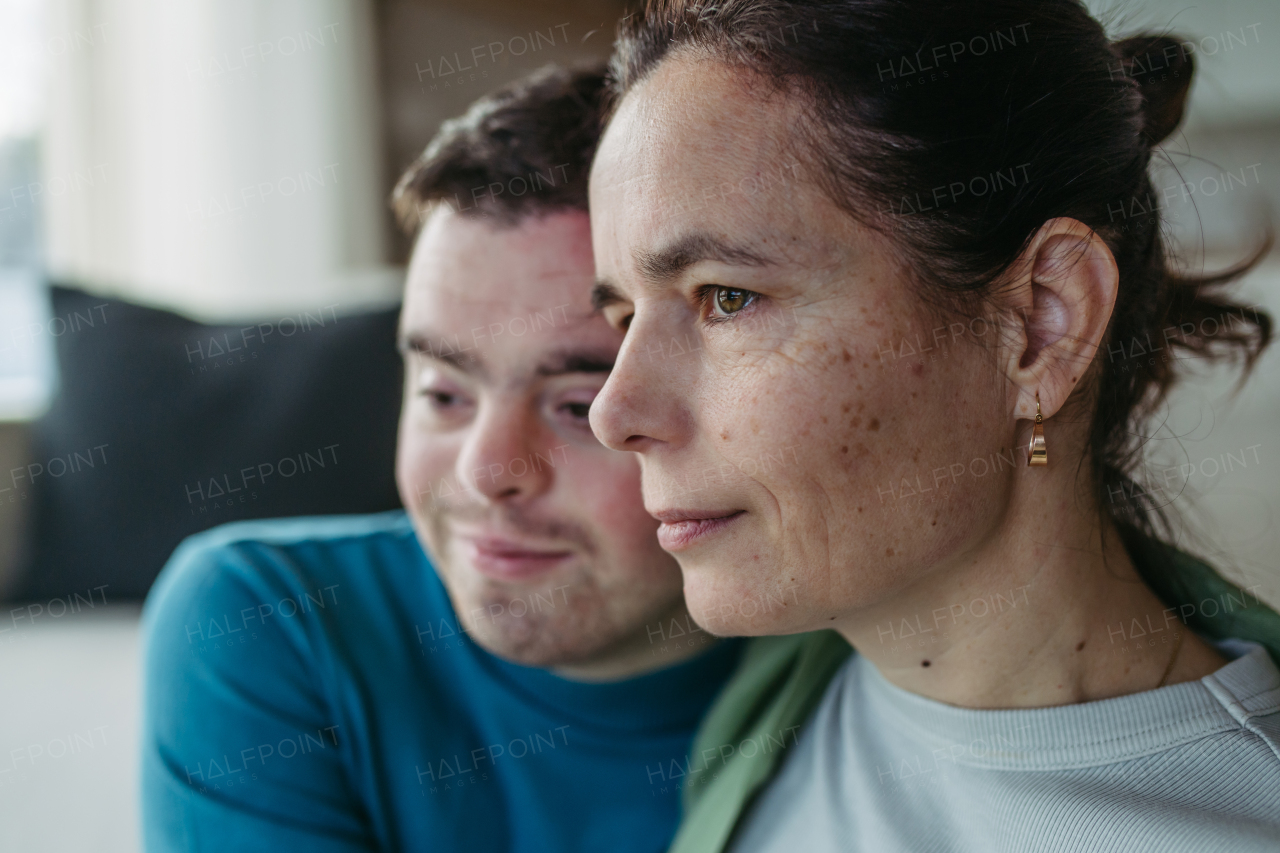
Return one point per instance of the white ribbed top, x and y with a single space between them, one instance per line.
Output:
1191 767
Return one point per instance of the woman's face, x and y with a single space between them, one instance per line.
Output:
805 457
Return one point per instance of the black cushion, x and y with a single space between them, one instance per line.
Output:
163 427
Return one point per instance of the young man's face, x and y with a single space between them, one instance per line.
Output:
538 531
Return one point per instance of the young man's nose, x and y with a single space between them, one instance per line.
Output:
507 455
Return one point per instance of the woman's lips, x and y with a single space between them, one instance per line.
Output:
680 529
505 560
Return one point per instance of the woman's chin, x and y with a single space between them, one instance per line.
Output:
737 610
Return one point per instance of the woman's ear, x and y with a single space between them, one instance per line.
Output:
1061 298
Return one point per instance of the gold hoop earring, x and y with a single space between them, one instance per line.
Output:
1036 452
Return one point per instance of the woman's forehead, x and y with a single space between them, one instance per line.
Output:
693 151
692 125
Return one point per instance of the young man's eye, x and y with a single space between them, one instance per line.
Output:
615 317
577 410
440 399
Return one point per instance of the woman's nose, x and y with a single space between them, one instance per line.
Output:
639 404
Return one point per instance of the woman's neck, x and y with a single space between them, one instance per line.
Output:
1047 610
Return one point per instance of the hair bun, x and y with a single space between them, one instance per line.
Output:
1162 69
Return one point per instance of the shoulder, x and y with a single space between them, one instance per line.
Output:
261 576
256 639
277 553
262 611
298 533
1248 689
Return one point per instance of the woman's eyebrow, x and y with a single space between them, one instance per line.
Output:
664 264
575 361
661 265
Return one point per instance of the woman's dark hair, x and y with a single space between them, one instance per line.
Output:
958 129
524 149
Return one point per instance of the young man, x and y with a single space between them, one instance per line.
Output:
325 685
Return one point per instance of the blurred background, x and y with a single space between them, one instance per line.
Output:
199 274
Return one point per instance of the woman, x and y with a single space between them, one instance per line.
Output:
879 262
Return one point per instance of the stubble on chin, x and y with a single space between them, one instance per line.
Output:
562 622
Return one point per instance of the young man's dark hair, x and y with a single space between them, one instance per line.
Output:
506 664
523 149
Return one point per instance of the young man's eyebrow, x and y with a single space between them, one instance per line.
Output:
575 361
605 294
588 360
441 350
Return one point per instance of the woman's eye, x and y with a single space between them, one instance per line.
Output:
577 410
731 300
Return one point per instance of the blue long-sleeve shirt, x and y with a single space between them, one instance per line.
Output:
308 687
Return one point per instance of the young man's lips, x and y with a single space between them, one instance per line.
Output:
680 529
504 559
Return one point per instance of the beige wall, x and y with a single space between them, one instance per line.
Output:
484 35
14 509
231 159
223 157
